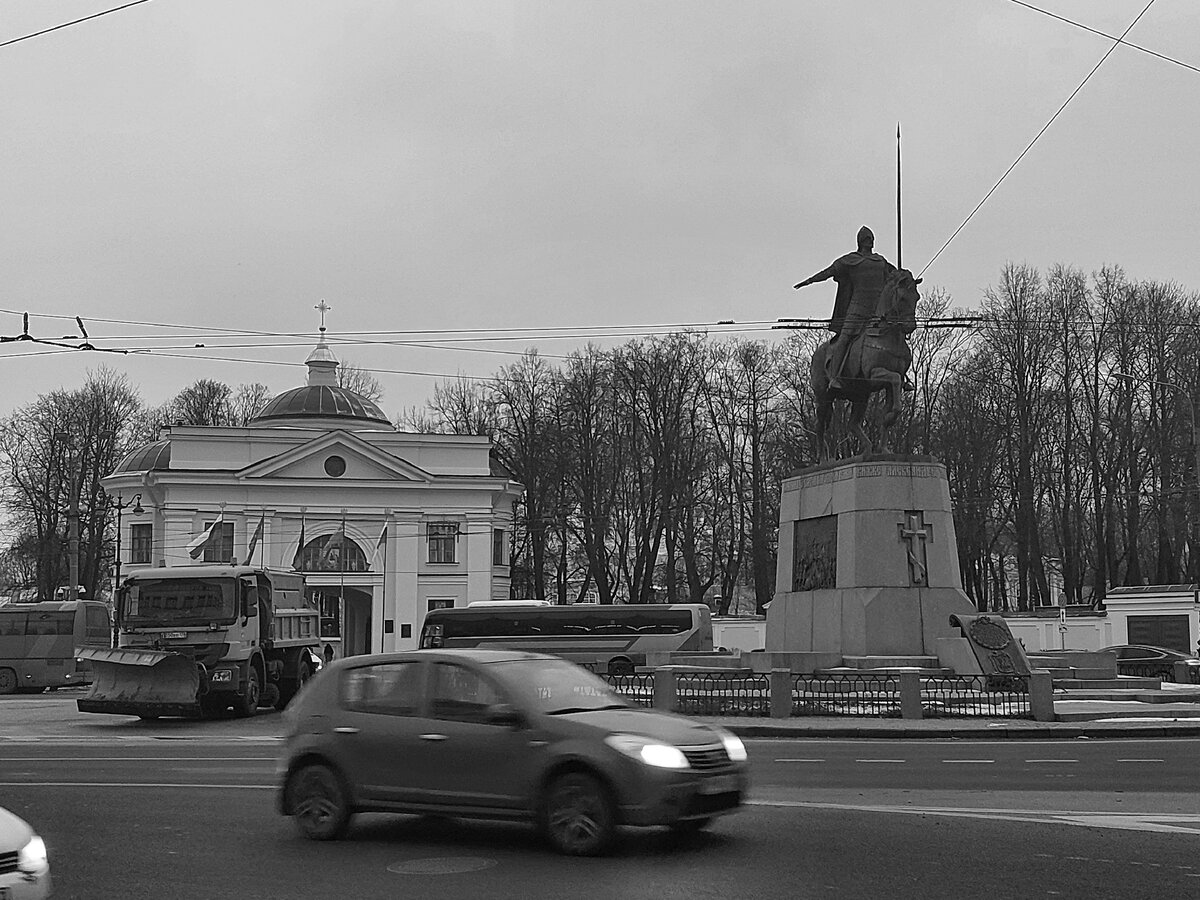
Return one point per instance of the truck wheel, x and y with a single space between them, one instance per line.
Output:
271 696
8 681
578 816
319 803
247 704
293 686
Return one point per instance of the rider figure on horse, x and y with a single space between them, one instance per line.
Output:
860 277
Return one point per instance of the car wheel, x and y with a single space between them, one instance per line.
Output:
318 801
578 815
691 826
247 703
8 681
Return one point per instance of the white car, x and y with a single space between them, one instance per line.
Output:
24 868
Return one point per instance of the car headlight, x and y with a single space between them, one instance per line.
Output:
734 748
32 857
652 753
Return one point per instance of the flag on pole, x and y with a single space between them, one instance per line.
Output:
255 538
380 544
198 545
298 559
331 557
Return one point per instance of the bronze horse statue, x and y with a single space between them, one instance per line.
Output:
878 359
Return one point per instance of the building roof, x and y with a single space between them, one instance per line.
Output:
156 456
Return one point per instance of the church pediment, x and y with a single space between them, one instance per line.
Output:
336 455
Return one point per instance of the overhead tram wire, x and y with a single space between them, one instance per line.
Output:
1116 43
105 12
1104 34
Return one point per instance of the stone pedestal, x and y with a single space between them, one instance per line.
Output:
867 564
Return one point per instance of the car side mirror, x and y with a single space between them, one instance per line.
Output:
505 715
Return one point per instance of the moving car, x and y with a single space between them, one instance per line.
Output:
24 868
1140 659
498 734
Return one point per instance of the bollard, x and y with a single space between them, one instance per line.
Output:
666 690
1041 695
1182 673
780 686
910 695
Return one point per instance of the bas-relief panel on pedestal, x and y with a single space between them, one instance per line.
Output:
814 554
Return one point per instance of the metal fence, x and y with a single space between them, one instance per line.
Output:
638 686
975 695
846 695
723 694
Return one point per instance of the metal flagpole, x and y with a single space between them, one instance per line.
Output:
899 241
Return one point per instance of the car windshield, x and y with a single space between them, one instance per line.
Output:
557 686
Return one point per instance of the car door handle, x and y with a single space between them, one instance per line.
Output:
433 737
345 729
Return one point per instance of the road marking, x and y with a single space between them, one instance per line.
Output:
141 784
1141 760
1162 823
968 761
138 758
1051 760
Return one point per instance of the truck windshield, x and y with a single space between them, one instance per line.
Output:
180 601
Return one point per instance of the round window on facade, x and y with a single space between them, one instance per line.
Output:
335 466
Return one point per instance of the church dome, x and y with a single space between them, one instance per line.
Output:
321 401
151 457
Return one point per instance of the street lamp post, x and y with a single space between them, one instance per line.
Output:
1190 406
136 503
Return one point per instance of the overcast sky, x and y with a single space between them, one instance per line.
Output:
430 166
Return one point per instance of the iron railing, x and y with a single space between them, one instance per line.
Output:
846 695
950 696
636 686
723 694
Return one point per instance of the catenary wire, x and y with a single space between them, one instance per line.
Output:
105 12
1029 146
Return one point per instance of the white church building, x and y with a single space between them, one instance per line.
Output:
385 525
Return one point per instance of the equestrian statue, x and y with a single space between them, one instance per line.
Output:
873 314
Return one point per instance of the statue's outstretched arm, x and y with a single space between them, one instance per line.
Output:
823 275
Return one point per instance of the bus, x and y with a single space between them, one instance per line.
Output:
613 639
38 643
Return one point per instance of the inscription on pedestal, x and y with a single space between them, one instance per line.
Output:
814 554
876 470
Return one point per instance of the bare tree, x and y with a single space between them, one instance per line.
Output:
361 381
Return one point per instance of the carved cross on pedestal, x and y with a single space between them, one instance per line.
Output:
323 307
915 532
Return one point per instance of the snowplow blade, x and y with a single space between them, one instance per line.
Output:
145 683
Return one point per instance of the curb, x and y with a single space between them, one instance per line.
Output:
1000 731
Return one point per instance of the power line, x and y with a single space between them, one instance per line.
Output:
26 37
1117 42
1105 34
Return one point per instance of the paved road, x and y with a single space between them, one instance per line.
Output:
185 809
142 817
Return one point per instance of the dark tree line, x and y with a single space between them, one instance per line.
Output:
1065 416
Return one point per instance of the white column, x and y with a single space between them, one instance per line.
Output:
404 552
479 559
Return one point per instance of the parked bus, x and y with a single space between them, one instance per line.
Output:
38 643
607 638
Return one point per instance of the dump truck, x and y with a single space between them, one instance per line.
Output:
205 641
